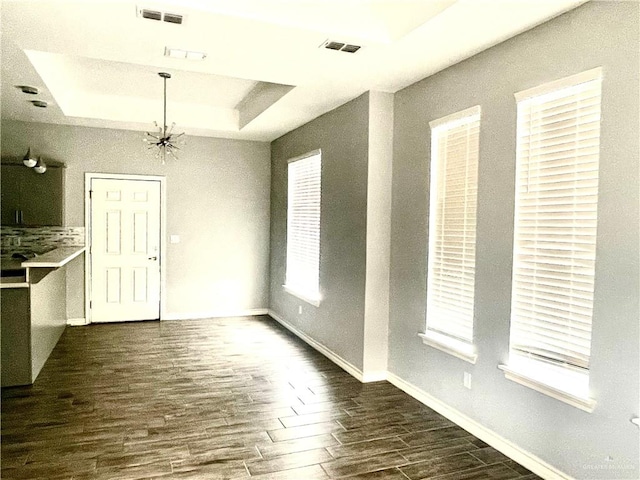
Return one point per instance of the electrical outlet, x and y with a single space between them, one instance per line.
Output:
299 309
467 380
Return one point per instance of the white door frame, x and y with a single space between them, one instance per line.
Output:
88 177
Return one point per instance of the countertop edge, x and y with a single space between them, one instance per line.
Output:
55 258
14 285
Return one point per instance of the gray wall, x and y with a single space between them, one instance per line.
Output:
596 34
342 134
217 201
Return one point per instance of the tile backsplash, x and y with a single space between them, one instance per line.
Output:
38 239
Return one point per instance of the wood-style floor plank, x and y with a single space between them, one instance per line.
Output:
232 399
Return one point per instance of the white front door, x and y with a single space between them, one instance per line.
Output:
125 254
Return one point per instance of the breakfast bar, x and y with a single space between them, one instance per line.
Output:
34 311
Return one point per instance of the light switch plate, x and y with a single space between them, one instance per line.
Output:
174 238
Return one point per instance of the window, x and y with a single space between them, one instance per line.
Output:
303 227
558 138
452 233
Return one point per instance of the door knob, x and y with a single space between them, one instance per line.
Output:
153 258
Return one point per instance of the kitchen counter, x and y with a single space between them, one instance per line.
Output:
34 312
54 259
16 272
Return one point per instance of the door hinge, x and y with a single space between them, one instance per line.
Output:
90 193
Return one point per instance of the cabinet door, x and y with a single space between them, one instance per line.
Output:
42 197
38 197
10 190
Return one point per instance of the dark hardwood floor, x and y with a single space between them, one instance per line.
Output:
223 399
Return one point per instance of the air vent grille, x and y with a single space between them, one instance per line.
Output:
340 46
173 18
351 48
157 15
151 14
334 45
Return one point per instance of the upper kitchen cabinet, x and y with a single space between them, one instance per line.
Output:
30 198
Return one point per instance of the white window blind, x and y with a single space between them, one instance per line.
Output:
303 226
452 224
558 138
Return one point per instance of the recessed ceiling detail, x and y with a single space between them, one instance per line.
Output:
95 62
225 104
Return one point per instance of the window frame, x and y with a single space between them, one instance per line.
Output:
314 298
445 339
566 379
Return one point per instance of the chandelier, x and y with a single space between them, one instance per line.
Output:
165 141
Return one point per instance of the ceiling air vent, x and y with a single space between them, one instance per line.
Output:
350 48
334 45
340 46
151 14
172 18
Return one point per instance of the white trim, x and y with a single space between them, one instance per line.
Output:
335 358
511 450
87 243
559 84
4 284
215 314
467 115
586 404
292 291
313 153
77 322
452 346
88 176
376 376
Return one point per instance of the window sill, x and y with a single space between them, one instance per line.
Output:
449 345
313 300
528 380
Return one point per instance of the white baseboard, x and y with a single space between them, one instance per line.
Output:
77 322
215 314
374 377
335 358
524 458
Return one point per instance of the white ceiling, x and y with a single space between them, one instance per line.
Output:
96 62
